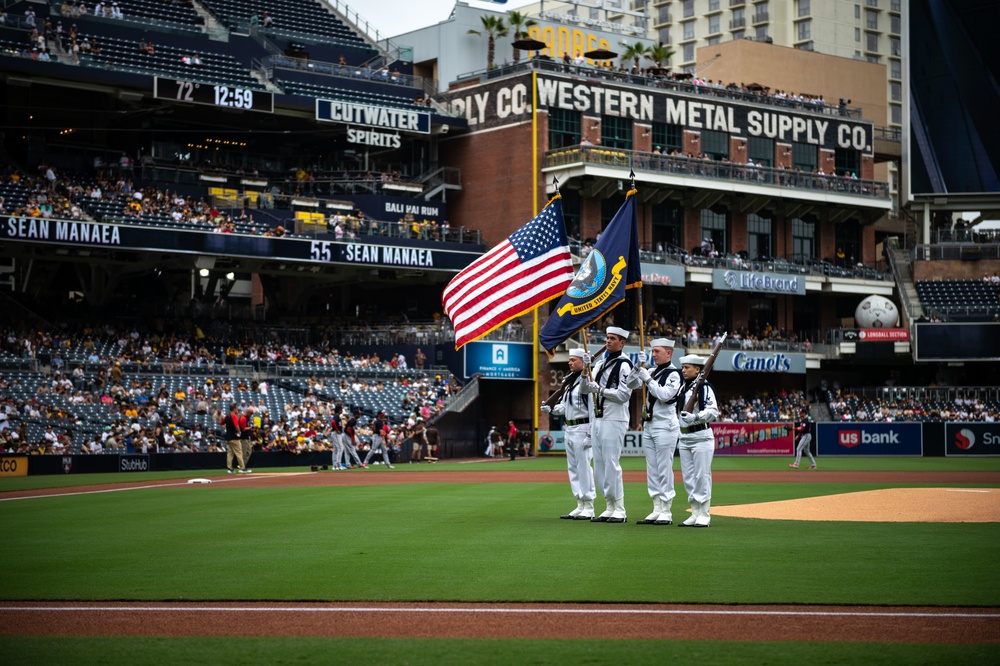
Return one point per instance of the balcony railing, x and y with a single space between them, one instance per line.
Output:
737 23
678 165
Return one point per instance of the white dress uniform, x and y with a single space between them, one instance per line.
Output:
697 448
611 415
574 407
659 440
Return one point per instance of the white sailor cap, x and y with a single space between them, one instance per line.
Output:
620 332
692 359
579 353
662 342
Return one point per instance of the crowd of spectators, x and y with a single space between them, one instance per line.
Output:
845 405
785 406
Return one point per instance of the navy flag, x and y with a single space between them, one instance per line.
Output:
600 284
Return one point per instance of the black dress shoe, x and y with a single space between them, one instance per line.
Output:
581 517
663 522
617 520
599 519
566 517
645 522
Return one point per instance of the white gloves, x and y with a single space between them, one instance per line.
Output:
687 417
593 387
546 409
586 359
643 358
588 444
559 410
641 373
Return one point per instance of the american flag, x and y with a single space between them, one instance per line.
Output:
532 266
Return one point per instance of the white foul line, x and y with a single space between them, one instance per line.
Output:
242 477
519 611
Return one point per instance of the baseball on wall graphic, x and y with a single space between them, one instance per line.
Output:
876 312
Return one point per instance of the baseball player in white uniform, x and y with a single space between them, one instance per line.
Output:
660 428
575 408
697 443
610 392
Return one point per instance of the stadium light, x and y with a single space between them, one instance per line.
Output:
230 276
203 272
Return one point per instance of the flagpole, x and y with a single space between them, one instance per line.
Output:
534 212
642 318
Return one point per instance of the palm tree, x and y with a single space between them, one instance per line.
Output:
494 27
519 23
659 54
635 51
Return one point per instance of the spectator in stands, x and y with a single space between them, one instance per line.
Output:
266 20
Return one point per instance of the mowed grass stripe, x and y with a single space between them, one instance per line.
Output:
213 651
474 542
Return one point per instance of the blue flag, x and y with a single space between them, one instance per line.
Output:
600 284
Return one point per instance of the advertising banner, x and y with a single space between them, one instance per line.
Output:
13 466
754 361
869 439
384 253
731 439
753 439
972 439
763 283
666 275
499 360
133 462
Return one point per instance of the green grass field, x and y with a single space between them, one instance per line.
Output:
480 542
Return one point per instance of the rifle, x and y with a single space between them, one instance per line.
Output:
700 379
554 399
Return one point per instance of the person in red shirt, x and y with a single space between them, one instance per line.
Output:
234 445
512 439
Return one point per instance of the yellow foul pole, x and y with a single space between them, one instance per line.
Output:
534 212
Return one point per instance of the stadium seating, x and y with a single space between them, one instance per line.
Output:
156 11
293 19
339 92
943 294
125 55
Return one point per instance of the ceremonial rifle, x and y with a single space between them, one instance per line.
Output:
692 400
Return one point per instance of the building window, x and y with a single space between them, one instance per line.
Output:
803 240
805 46
739 18
895 114
689 30
761 150
688 8
668 226
804 8
846 162
715 144
896 91
714 226
760 240
873 58
713 40
688 52
713 5
668 138
857 11
872 41
594 13
665 14
804 157
713 24
895 26
895 47
761 35
895 69
805 30
739 34
871 19
616 132
571 212
857 34
564 128
762 310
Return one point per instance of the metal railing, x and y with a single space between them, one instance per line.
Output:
716 170
957 252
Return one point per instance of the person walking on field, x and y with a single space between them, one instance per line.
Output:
247 437
805 439
574 407
234 447
378 441
660 428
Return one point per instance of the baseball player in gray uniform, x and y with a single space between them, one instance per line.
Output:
610 392
660 428
575 409
804 441
697 443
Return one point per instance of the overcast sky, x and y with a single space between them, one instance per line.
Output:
394 17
